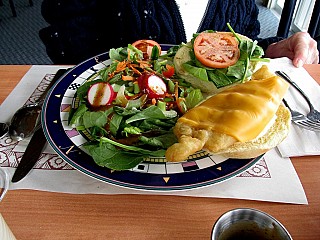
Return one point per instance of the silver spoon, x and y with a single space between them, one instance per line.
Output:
26 120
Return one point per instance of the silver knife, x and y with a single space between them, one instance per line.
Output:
35 147
31 155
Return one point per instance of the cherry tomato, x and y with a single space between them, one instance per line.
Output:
169 71
146 47
153 85
216 49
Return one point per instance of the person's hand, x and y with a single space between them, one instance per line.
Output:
300 48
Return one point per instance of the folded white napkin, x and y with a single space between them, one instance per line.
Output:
300 142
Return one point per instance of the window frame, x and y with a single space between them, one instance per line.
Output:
302 13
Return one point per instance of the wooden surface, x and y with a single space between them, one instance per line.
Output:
44 215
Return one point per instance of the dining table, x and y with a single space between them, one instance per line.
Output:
34 214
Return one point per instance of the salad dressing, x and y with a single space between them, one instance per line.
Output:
99 95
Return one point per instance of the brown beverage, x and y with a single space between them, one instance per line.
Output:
249 230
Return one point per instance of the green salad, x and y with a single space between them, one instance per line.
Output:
130 107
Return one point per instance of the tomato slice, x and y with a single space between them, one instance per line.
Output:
216 49
146 46
168 73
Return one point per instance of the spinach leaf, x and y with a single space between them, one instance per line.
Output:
162 141
145 152
125 111
152 112
97 132
98 119
154 142
157 124
106 155
77 115
115 123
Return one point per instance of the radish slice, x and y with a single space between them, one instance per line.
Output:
153 85
100 94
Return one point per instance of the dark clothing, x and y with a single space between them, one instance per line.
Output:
80 29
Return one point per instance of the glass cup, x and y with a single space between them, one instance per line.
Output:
248 223
4 183
5 232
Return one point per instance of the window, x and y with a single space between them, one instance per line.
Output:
276 6
302 15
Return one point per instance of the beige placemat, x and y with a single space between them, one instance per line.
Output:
272 178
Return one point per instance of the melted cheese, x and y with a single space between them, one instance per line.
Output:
241 111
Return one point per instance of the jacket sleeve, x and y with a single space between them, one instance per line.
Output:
71 36
265 42
79 29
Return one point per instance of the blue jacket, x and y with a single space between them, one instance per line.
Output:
80 29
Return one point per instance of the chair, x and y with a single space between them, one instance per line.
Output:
13 9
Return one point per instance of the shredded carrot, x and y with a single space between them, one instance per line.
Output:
144 64
133 67
176 93
110 75
154 101
127 78
128 57
121 66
